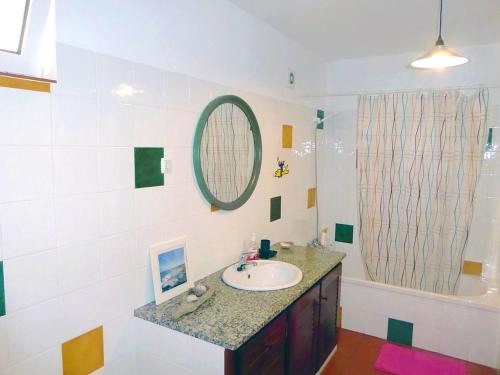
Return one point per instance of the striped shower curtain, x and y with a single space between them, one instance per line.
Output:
418 164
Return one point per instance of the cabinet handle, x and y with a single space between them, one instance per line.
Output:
323 298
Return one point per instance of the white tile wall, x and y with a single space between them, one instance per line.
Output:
77 218
46 363
118 253
75 233
27 227
116 168
33 330
30 279
26 173
79 265
74 120
116 124
75 170
4 345
21 126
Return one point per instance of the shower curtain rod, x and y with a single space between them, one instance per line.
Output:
353 93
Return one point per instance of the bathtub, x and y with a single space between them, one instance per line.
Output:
465 326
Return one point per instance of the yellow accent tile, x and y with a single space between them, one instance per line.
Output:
24 84
339 317
287 141
472 268
214 208
83 354
311 197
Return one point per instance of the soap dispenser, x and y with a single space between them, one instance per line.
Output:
253 247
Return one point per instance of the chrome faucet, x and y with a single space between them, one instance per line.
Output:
244 263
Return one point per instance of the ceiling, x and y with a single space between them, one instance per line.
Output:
340 29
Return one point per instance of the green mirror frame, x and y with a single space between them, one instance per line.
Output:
257 160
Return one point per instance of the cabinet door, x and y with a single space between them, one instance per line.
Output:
303 318
330 297
264 354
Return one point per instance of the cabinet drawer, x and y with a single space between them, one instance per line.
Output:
264 354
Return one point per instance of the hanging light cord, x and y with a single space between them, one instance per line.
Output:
440 42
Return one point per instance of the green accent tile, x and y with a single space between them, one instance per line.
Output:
320 114
400 332
320 126
343 233
490 136
148 167
2 291
275 208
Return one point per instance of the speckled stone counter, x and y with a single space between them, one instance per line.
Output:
233 316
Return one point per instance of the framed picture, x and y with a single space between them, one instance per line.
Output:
169 265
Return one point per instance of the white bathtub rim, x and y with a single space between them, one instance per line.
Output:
488 303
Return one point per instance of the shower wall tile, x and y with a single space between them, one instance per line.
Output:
343 233
2 290
311 197
30 279
22 127
176 90
27 173
118 252
74 120
180 127
117 211
82 309
84 354
33 330
4 345
76 72
116 123
27 227
150 129
116 168
400 332
287 136
149 84
115 79
77 218
150 206
275 213
79 265
148 171
75 170
472 268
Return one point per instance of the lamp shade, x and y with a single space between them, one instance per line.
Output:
438 58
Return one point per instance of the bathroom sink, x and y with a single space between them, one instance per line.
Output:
262 275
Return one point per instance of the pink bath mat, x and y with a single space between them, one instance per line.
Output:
399 360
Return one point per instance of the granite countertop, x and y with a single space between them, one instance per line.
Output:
233 316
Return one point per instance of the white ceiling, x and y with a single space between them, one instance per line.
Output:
339 29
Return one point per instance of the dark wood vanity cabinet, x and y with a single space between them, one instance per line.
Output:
299 340
329 306
265 352
303 319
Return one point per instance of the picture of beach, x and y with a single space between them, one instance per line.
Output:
172 269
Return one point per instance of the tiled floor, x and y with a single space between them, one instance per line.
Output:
357 352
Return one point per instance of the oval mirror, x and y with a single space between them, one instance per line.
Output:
227 152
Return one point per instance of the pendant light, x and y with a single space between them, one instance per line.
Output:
440 56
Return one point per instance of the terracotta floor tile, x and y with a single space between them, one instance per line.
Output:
356 354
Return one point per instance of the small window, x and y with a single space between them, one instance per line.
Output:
13 16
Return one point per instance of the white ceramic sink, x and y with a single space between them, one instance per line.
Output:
265 275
